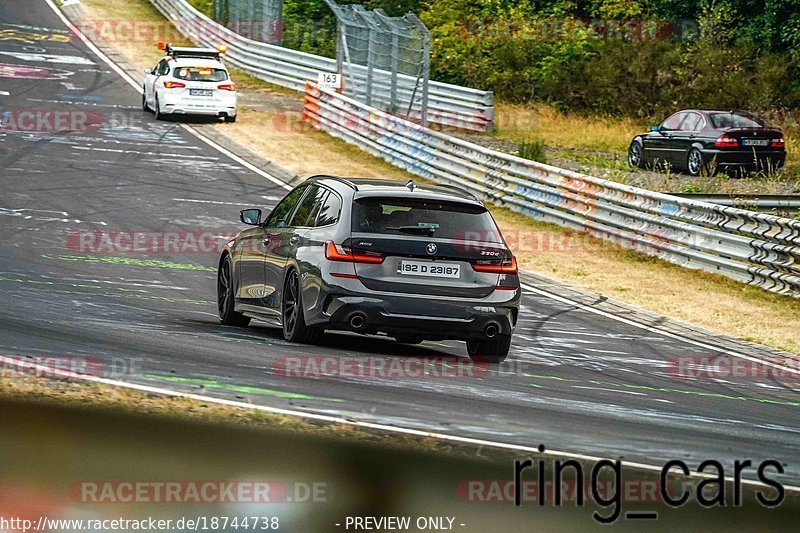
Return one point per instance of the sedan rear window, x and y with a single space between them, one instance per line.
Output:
442 219
200 74
736 120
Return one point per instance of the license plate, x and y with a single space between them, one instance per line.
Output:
436 270
754 142
201 92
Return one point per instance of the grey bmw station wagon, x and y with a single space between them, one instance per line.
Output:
374 257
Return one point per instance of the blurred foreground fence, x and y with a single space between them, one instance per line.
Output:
753 248
447 105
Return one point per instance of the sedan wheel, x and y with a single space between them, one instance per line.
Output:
294 324
695 163
635 155
225 297
144 100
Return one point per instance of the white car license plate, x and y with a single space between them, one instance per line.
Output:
436 270
754 142
201 92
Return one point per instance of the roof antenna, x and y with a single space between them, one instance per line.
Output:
410 185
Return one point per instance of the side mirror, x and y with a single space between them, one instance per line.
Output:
655 128
148 71
251 217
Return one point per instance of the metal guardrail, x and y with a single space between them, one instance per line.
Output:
448 105
755 202
753 248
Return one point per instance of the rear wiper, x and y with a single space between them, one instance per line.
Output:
415 230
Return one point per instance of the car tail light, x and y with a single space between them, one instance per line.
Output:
334 252
778 143
174 85
724 141
227 87
508 266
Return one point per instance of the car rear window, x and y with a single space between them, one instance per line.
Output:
736 120
200 74
436 218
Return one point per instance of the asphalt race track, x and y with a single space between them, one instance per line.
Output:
576 381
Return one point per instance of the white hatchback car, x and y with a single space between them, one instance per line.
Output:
190 81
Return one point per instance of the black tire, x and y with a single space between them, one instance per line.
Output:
408 339
225 297
294 323
157 110
230 119
493 351
144 100
696 163
636 155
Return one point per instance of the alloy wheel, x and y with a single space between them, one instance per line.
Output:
635 155
223 287
291 304
695 162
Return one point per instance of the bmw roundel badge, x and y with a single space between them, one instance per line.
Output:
431 248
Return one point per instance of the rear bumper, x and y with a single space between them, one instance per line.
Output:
433 318
379 315
193 110
218 106
746 158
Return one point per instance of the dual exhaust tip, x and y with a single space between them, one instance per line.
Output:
358 322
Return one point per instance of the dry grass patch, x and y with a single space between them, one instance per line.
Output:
578 132
564 130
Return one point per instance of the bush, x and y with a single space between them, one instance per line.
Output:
548 52
533 149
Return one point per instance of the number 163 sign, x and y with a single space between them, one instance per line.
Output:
327 79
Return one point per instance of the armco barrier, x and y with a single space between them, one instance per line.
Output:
448 105
751 247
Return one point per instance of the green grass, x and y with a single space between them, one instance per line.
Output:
533 149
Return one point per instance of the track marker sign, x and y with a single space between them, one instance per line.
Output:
329 79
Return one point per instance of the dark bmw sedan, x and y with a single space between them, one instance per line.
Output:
377 257
704 142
